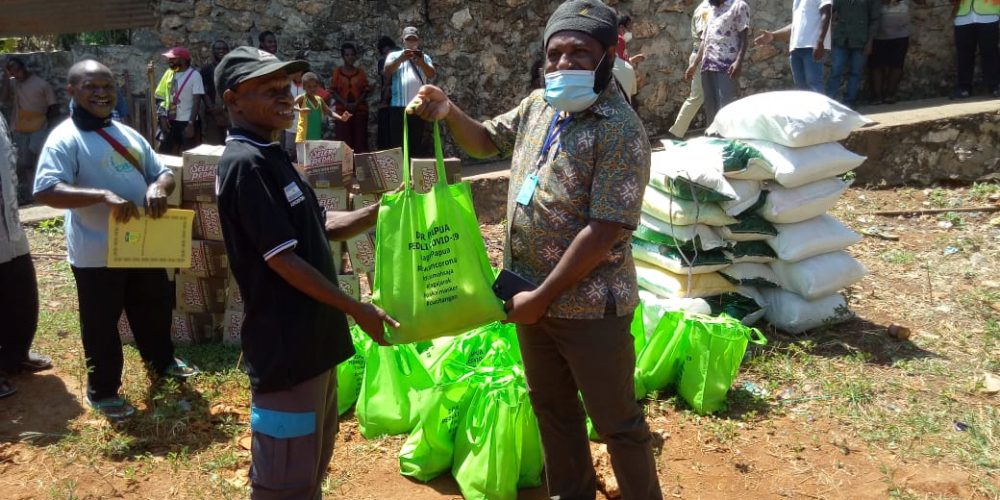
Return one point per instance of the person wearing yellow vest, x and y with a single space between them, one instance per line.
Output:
977 28
312 109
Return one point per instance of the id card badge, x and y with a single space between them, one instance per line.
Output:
527 190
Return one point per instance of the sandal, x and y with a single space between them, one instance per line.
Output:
36 363
115 408
180 370
7 388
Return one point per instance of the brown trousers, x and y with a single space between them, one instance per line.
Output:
597 358
288 462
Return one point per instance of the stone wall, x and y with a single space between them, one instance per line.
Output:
483 49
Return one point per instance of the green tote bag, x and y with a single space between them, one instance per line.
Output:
432 273
392 391
351 372
714 355
658 366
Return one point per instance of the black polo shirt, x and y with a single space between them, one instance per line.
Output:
266 207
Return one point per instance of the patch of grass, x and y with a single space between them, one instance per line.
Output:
982 445
898 256
52 227
952 217
993 329
725 431
981 191
938 197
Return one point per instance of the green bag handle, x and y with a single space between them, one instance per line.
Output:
438 155
756 337
405 367
502 391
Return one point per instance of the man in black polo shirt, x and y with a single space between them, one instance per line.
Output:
276 234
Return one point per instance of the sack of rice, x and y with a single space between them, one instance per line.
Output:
792 118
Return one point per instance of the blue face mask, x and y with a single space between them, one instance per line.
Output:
571 90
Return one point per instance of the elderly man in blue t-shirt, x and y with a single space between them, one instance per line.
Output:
97 168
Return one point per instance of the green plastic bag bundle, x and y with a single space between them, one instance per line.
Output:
392 390
716 348
432 273
351 372
497 445
658 366
430 449
452 358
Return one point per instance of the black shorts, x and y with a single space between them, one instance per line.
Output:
889 53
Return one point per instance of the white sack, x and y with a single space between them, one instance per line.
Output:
747 194
819 276
792 313
683 212
788 205
793 167
809 238
793 118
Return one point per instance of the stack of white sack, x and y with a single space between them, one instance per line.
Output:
784 246
677 247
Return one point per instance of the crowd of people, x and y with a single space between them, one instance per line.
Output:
190 112
579 162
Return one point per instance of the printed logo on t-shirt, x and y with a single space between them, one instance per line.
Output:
294 194
119 164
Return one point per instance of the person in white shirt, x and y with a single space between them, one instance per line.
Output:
808 38
182 103
407 70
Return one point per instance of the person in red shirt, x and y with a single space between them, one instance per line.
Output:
349 90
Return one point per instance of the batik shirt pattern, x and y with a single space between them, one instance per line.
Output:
596 170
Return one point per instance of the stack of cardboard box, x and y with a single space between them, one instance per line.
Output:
201 289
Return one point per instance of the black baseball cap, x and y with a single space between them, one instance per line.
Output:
244 63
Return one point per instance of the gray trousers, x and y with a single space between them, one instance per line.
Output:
597 359
719 89
293 432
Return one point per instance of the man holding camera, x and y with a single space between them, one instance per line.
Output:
407 70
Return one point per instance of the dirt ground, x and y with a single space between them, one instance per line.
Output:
845 412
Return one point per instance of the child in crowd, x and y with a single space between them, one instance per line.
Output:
312 109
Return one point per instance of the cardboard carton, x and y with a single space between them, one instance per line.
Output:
332 199
207 225
380 171
364 200
323 163
337 250
424 172
194 328
196 295
176 166
350 284
208 259
234 299
198 179
361 250
232 327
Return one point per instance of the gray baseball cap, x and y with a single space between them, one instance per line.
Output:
410 31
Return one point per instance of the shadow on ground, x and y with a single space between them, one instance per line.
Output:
852 338
40 410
